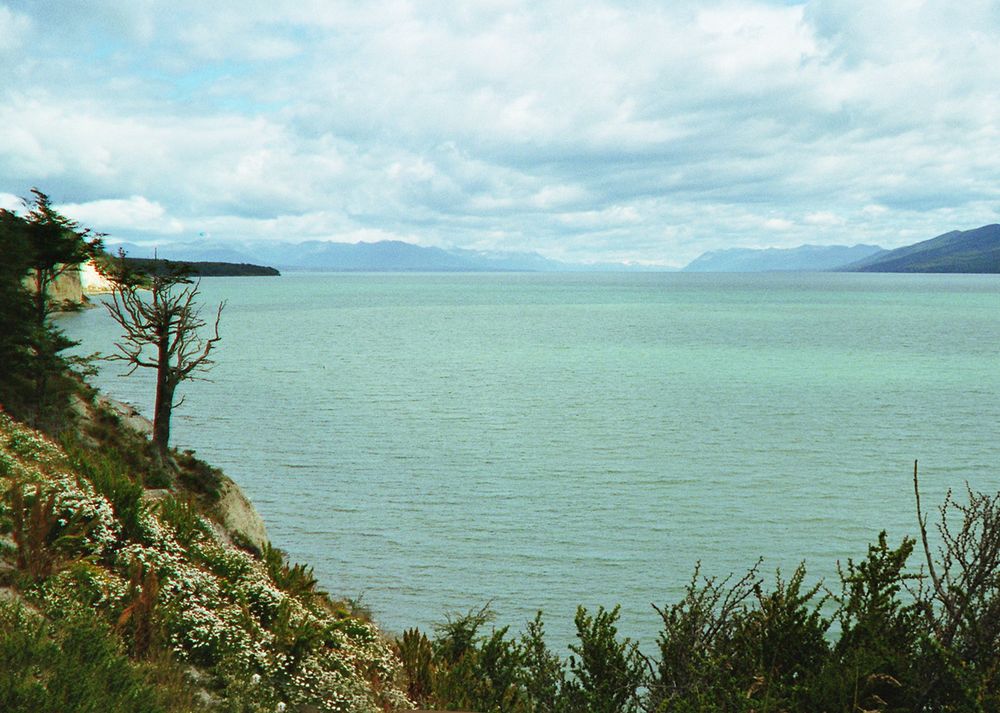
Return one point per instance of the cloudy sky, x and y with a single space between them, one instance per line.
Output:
587 131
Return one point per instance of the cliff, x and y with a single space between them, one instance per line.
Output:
92 281
66 288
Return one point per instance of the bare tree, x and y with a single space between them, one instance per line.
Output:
163 324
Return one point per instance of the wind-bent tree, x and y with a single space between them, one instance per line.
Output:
163 324
37 248
57 246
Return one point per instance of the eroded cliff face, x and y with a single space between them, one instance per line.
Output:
92 281
66 288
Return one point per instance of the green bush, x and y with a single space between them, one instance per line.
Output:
184 517
75 665
544 673
198 476
110 475
606 673
893 639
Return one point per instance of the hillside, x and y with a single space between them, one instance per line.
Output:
804 258
127 587
970 251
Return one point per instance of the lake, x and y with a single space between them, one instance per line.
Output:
432 442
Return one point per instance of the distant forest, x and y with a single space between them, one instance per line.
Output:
202 269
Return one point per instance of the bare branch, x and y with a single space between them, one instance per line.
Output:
159 313
922 523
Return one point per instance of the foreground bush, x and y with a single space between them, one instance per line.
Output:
74 665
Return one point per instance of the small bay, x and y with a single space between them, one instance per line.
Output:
436 441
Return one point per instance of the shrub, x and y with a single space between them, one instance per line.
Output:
297 580
544 674
606 673
184 518
415 653
693 671
75 665
43 537
198 476
108 472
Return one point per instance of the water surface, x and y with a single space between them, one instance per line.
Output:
437 441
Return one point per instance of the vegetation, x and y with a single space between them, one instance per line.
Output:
891 637
201 269
157 600
37 249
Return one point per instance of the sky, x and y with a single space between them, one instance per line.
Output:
640 131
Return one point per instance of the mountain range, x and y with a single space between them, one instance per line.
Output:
802 258
386 255
975 250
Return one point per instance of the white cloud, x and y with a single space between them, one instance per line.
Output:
823 219
778 224
640 130
134 213
9 201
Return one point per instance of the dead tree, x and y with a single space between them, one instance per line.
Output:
163 324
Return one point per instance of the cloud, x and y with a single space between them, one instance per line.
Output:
133 214
823 219
778 224
14 27
604 130
9 201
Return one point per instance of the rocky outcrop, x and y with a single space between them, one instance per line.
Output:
65 288
238 515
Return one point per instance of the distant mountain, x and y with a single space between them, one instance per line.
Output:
958 251
383 256
185 252
803 258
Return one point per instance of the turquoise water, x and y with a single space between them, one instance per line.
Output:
434 442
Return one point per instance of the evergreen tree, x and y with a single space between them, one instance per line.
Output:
15 315
39 248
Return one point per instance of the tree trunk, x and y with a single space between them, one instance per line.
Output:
40 297
165 386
